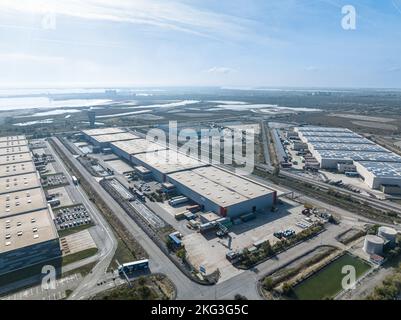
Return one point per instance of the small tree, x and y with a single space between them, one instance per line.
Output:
287 289
267 248
182 253
268 283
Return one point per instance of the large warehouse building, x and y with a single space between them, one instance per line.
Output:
222 192
216 190
126 149
165 162
379 174
28 234
104 140
378 166
104 136
13 143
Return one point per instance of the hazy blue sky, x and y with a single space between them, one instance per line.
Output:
203 42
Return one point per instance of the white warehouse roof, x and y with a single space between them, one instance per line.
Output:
320 129
137 146
347 147
330 134
382 169
26 229
14 150
208 189
12 138
238 184
15 158
339 140
221 187
17 168
358 155
19 182
101 131
168 161
13 143
123 136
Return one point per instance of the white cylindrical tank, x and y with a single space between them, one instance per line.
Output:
387 233
373 244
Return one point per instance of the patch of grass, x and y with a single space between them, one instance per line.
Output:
66 232
68 293
79 256
390 289
122 254
153 287
84 270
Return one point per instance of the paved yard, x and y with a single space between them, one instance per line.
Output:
77 242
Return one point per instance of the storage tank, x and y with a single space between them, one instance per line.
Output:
387 233
373 244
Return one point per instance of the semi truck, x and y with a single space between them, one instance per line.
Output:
74 180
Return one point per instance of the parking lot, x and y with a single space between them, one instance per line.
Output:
54 180
208 250
61 194
70 217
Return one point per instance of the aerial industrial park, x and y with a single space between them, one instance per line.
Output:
200 157
106 206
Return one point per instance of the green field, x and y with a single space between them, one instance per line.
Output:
326 283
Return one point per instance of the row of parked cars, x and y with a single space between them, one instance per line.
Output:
72 217
284 233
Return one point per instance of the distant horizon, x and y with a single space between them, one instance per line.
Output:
176 43
222 87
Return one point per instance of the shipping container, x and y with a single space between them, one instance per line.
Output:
175 202
180 215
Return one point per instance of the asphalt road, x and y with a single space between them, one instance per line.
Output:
101 233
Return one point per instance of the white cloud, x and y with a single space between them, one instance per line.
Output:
221 70
394 69
171 15
23 57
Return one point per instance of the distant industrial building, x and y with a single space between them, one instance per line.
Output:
345 147
27 231
378 167
101 131
329 159
282 156
337 140
92 117
305 134
380 173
